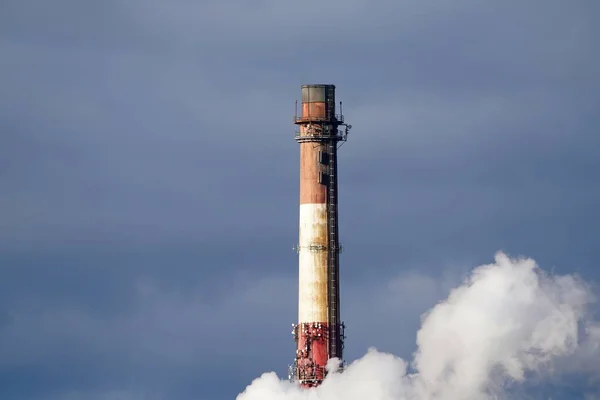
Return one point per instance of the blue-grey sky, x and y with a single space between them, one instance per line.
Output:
149 176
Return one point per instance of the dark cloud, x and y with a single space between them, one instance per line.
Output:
149 176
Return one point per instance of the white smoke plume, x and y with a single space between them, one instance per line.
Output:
507 322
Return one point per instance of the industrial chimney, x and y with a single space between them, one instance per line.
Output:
319 334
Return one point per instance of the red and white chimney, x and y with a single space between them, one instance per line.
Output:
319 333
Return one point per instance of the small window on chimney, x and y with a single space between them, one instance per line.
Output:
323 158
323 178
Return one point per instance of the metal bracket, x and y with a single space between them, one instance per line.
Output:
311 247
316 248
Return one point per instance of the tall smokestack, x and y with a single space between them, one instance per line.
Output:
319 333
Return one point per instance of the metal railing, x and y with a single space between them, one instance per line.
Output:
316 118
337 135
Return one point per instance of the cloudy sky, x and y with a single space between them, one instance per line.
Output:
149 176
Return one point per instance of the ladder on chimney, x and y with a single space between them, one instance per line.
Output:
333 244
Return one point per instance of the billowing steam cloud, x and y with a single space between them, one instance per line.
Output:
508 321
